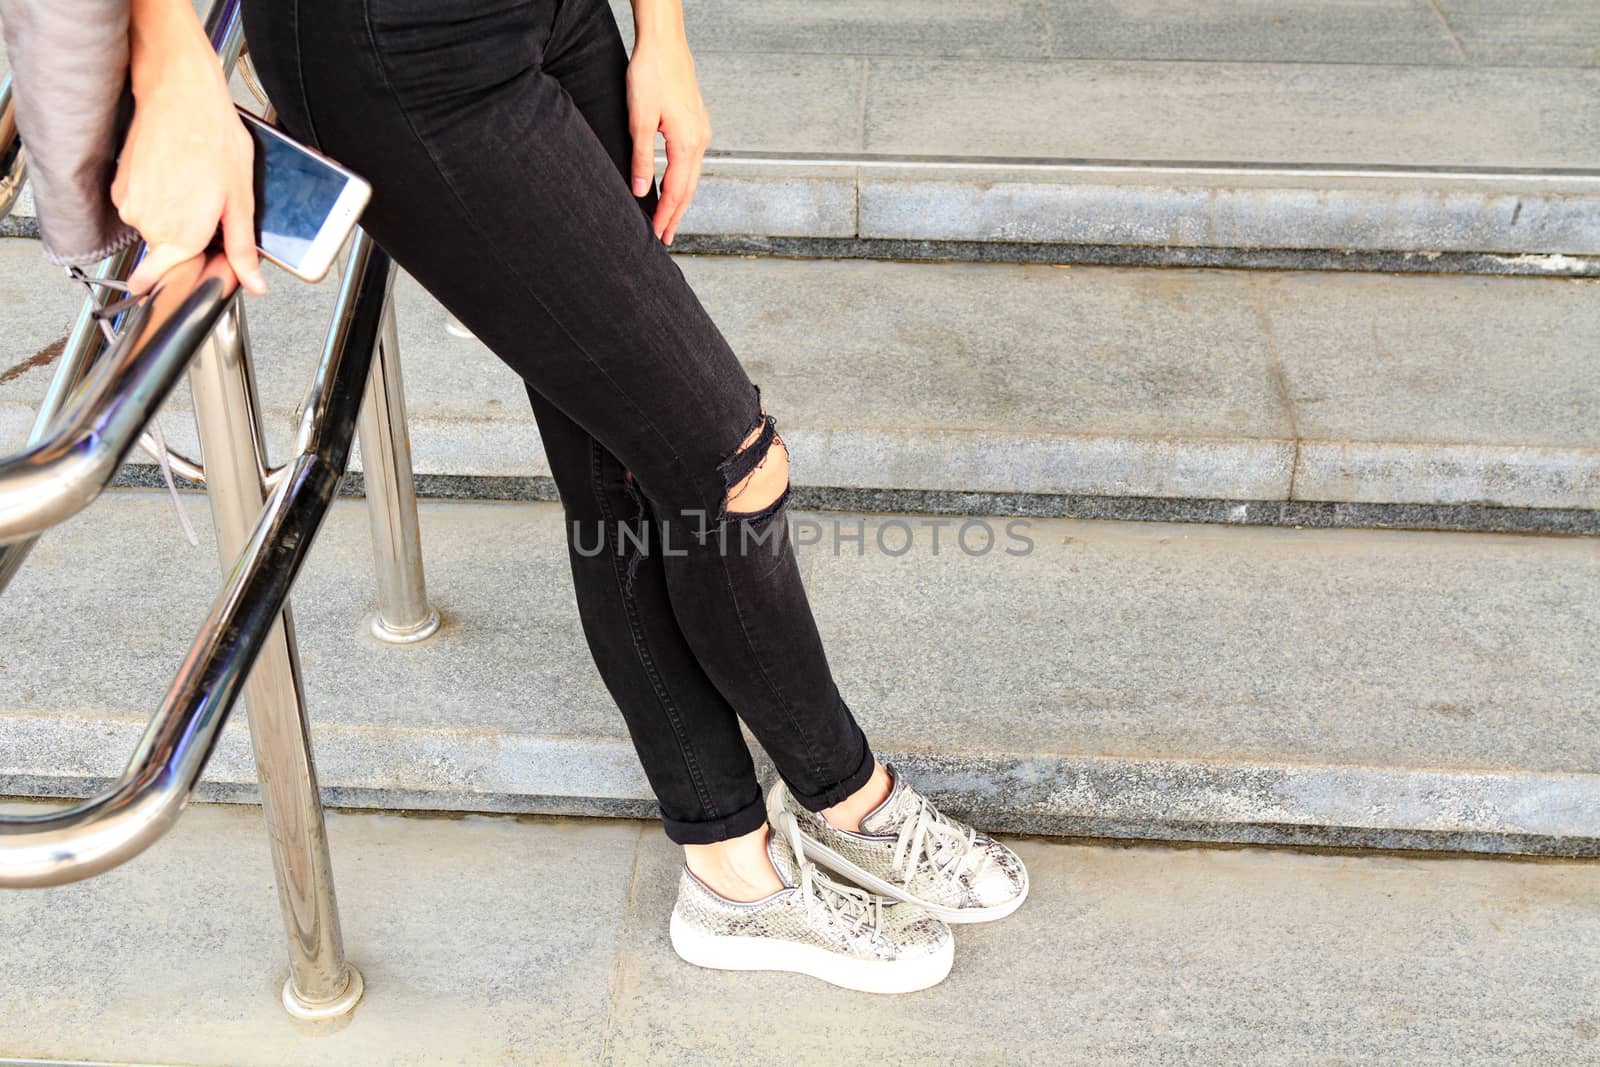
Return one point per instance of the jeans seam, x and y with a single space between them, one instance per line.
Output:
300 71
640 646
509 269
835 793
783 702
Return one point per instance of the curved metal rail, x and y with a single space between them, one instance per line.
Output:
265 519
77 360
62 474
106 830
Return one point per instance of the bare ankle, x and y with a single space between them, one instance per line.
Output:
848 813
738 869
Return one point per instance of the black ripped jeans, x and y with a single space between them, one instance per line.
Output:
495 136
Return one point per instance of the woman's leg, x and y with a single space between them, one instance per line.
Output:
592 68
686 734
493 189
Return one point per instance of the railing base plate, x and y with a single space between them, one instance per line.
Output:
322 1010
408 636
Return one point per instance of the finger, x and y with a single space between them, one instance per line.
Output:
678 185
674 184
664 208
644 159
683 208
158 259
239 243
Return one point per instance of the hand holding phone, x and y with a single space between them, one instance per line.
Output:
184 167
306 204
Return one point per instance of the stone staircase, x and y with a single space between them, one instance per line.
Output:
1225 674
1311 559
1209 134
1218 679
1295 133
1371 688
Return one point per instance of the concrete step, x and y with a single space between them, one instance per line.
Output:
1450 33
978 86
500 941
1068 129
1321 399
981 129
1365 688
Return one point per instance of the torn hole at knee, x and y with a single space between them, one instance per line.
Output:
757 474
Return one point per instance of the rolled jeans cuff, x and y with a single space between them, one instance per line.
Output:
746 820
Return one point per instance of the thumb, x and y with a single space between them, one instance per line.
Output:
644 160
158 259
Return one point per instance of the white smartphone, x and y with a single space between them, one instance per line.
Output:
306 204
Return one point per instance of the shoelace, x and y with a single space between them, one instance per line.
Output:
851 906
931 837
105 317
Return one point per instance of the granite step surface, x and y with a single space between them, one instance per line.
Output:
984 128
1395 133
499 941
1224 396
1369 688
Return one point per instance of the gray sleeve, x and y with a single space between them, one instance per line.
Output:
69 68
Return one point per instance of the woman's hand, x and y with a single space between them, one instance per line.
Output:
186 165
664 97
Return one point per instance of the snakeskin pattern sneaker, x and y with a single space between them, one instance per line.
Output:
814 926
907 849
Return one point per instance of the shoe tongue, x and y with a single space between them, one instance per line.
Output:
781 852
897 807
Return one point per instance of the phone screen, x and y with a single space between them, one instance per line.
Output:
295 193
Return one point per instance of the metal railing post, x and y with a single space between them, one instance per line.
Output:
403 614
13 160
321 983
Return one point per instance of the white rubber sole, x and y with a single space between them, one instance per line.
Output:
764 954
828 858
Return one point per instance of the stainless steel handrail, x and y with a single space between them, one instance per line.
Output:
78 357
62 474
265 520
13 161
106 830
57 477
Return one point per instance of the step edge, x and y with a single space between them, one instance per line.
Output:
1168 466
1200 799
1474 517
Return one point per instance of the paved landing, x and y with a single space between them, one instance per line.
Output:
499 941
